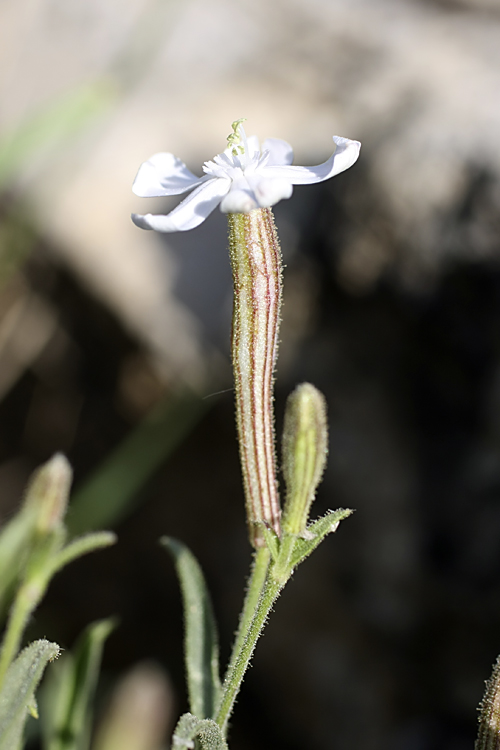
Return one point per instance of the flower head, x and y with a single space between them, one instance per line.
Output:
243 177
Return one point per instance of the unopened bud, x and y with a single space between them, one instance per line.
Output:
305 447
48 493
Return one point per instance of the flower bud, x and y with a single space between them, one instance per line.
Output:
48 493
305 447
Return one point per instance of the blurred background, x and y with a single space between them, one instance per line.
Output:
113 342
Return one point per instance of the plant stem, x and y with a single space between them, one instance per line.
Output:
241 659
256 584
282 568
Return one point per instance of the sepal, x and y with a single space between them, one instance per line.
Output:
272 540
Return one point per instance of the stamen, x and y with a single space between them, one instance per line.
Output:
234 139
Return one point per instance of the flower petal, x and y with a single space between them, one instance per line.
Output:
238 201
190 212
269 192
164 174
280 152
253 145
344 156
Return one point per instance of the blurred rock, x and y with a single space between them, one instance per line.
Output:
414 81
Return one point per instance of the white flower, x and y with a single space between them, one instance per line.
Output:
242 178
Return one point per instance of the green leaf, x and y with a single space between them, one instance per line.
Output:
17 696
67 700
315 533
206 731
201 645
185 731
81 546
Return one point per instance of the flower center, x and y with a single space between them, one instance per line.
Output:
237 162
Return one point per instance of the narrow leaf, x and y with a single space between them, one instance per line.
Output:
17 696
68 698
185 731
201 645
316 532
81 546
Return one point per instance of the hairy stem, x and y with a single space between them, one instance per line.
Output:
256 584
239 664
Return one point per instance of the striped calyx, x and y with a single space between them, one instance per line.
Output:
257 278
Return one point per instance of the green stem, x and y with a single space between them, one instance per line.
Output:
241 660
282 568
25 602
256 584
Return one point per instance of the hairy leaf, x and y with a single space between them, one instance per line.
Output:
201 645
68 698
316 532
17 696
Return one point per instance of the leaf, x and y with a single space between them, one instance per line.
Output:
78 547
67 701
185 731
17 696
316 532
206 731
200 643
